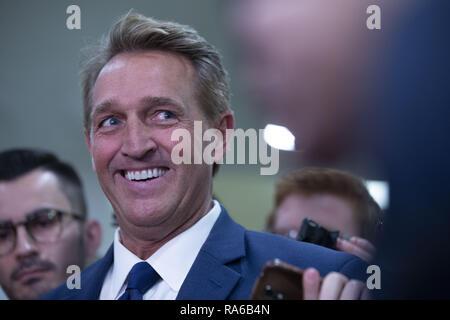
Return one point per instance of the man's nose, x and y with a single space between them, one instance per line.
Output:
138 140
25 245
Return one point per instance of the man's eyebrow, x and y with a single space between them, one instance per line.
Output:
101 108
28 215
149 101
38 210
160 101
5 223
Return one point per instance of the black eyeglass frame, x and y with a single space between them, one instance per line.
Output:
59 214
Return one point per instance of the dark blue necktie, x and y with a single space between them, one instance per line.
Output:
141 278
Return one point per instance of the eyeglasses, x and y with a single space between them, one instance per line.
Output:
43 226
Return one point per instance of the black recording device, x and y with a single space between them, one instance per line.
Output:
312 232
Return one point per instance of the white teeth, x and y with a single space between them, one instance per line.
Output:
144 174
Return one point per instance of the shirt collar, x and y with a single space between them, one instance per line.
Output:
124 260
173 260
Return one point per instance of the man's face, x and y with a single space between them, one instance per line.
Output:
33 268
331 212
138 100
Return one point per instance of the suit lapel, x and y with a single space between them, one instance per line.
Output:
211 275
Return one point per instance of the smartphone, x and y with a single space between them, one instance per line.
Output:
278 281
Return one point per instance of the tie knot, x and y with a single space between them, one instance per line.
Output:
142 277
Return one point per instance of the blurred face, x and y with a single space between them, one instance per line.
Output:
34 268
300 64
331 212
139 99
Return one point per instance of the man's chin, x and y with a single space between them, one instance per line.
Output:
33 289
145 219
145 212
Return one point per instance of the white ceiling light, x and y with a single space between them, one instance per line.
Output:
279 137
379 190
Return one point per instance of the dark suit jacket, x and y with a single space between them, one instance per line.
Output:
228 264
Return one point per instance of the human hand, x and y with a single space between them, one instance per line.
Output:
334 286
358 246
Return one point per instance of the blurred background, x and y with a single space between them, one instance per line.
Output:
306 65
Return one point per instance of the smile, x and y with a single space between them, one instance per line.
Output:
141 175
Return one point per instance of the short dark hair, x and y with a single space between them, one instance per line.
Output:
17 162
314 180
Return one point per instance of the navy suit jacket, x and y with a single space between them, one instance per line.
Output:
228 264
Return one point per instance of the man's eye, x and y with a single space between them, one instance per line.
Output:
165 115
108 122
43 222
3 235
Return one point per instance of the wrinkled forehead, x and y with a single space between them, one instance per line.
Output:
27 193
129 78
149 65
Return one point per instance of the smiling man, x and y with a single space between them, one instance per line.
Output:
43 227
134 114
174 241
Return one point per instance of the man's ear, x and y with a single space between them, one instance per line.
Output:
226 128
92 238
89 145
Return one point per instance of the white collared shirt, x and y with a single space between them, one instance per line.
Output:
172 261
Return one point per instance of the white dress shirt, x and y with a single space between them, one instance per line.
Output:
172 261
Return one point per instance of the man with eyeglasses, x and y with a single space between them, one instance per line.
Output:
43 225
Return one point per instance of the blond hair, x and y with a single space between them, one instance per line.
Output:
135 32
